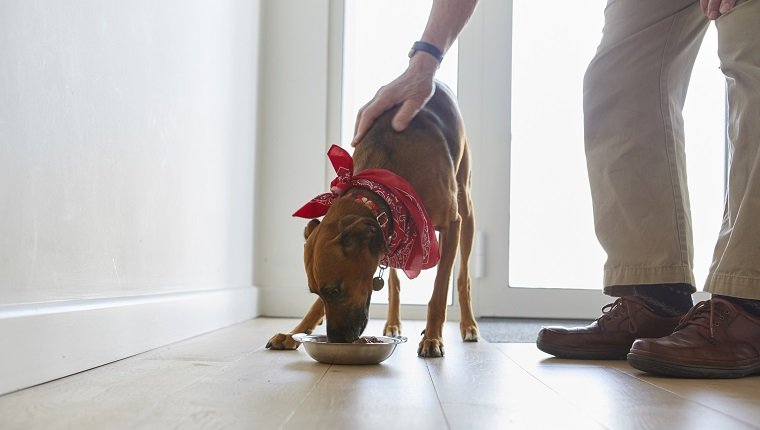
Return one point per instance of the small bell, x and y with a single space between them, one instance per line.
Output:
378 283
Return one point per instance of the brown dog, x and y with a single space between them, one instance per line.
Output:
343 251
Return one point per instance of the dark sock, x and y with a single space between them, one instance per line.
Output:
666 299
749 305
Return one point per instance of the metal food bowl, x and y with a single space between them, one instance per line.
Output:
320 349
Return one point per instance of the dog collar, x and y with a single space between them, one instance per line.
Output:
380 215
412 244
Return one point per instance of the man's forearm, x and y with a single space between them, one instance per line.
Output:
447 18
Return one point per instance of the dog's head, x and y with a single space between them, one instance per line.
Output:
341 255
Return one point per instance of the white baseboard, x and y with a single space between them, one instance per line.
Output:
46 341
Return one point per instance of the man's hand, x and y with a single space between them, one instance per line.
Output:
411 90
715 8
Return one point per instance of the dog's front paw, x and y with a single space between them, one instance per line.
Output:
470 332
430 348
392 330
283 341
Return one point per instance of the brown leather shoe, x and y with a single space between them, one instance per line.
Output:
611 335
716 339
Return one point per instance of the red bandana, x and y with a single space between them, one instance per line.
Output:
410 248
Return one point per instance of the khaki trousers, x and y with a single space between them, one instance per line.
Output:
634 92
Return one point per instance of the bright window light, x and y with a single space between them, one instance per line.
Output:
552 239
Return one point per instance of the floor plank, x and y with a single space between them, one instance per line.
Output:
619 397
480 389
739 398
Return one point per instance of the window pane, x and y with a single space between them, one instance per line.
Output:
550 204
377 38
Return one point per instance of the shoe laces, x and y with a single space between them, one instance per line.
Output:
613 310
703 314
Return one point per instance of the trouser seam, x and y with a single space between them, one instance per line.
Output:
670 144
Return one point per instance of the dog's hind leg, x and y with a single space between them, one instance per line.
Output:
467 324
393 322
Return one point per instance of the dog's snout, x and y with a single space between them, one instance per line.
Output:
343 336
340 337
346 334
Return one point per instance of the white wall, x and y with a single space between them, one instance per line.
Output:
127 154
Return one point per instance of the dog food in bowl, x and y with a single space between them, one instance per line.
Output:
364 350
367 339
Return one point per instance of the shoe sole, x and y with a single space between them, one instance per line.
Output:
580 354
666 368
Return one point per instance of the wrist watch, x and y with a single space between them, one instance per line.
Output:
426 47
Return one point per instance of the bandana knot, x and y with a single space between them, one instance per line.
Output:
342 182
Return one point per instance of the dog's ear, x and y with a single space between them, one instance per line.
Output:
360 232
310 228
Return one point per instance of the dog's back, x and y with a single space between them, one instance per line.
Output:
429 153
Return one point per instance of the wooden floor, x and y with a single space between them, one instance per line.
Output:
227 380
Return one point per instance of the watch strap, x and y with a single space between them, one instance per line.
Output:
426 47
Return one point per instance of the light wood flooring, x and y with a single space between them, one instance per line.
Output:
227 380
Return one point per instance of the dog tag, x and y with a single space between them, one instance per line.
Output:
378 283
